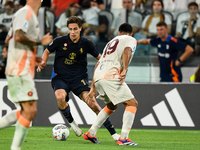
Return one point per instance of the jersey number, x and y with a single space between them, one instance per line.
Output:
111 47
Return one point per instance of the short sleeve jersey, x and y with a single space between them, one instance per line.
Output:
110 63
21 57
71 58
168 54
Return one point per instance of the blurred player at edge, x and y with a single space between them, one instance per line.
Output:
108 80
22 41
70 66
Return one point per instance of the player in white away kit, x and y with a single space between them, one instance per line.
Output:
22 41
108 80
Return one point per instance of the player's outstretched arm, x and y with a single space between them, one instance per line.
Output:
93 91
45 58
21 36
144 41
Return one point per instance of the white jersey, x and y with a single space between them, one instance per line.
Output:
110 63
21 58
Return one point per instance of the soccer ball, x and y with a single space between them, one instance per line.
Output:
60 132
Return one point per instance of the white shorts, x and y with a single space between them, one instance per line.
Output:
110 90
22 88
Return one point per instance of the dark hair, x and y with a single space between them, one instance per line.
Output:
9 3
193 4
74 19
158 1
67 11
85 4
161 23
197 75
125 27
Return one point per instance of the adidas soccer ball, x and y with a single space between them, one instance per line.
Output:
60 132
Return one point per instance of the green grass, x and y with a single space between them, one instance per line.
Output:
40 138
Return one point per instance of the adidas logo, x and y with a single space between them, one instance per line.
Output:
163 114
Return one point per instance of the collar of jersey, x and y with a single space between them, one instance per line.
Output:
168 38
70 41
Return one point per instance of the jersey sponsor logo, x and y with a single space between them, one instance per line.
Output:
166 55
164 116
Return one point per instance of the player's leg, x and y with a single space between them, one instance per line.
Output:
128 118
101 118
62 99
92 103
9 119
28 112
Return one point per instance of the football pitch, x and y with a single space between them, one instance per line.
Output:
40 138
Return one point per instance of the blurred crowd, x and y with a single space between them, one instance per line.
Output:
101 22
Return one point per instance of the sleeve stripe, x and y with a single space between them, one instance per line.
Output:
29 14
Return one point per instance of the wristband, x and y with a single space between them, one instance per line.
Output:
38 42
179 60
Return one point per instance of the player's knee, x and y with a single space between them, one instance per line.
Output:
111 106
132 102
60 98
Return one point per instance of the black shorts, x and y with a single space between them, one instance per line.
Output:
77 86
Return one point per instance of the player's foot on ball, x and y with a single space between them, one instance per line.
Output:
76 130
86 136
126 142
115 136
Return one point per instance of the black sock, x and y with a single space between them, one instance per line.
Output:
66 112
108 124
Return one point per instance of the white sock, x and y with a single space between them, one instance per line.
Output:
9 119
73 123
101 118
128 119
20 133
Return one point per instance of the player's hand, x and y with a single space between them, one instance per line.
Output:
41 66
122 76
38 60
177 63
91 94
47 39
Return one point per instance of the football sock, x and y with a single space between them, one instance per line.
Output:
128 118
21 131
102 116
66 112
9 119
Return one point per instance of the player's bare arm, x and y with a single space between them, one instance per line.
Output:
98 57
93 91
21 37
125 59
45 58
7 40
144 41
188 51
